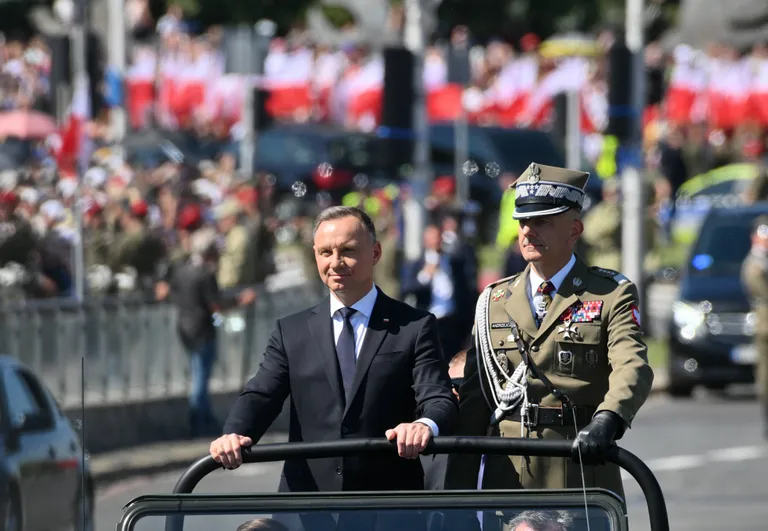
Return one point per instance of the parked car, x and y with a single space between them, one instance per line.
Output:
41 459
152 148
512 150
712 325
307 159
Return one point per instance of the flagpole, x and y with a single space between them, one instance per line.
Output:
81 90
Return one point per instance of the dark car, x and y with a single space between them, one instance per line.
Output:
152 148
41 464
307 159
496 150
502 149
712 325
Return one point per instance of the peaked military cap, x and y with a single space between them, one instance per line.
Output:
548 190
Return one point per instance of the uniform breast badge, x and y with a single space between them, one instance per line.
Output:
569 331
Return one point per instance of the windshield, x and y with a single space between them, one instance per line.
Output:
353 151
276 148
520 148
722 246
443 137
552 516
284 148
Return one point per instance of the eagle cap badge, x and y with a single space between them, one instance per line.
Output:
534 173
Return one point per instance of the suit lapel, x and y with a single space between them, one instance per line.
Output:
518 306
321 327
566 295
374 336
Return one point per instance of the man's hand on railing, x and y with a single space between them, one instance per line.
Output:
227 449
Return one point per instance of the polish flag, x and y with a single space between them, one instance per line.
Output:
75 149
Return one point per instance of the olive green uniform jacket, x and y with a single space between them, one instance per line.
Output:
754 277
601 366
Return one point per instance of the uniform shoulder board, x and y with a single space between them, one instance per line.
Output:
502 281
609 273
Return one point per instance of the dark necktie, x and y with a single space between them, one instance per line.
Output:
345 349
544 299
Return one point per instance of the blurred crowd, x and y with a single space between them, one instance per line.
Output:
138 215
136 225
138 221
24 73
510 84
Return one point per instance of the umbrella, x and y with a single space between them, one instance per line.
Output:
569 45
26 124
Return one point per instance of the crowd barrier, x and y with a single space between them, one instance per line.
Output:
129 350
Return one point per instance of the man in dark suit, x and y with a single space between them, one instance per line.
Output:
436 283
359 364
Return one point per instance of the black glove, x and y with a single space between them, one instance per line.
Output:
594 440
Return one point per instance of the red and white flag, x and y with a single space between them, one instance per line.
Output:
75 149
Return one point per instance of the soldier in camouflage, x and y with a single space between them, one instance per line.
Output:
754 276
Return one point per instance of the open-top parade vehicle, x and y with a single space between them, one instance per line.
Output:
586 509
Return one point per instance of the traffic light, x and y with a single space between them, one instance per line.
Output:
620 118
246 49
397 108
61 68
262 119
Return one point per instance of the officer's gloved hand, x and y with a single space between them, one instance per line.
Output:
594 440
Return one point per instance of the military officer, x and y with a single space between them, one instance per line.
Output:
559 351
235 265
754 276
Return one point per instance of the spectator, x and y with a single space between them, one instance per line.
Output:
541 521
197 296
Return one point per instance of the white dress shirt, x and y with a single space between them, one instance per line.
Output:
535 280
359 322
442 303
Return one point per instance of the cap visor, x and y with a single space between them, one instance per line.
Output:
537 211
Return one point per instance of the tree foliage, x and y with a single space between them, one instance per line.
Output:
487 18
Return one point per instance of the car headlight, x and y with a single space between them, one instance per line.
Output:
689 320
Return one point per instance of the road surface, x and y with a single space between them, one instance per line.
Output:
708 454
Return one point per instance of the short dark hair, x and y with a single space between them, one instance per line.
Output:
339 212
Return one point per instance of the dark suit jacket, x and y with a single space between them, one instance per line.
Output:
401 376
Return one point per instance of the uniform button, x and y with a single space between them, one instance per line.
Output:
535 348
338 470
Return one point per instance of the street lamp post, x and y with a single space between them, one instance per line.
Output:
417 14
73 15
117 57
258 41
632 181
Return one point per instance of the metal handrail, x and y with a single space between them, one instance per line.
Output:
261 453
